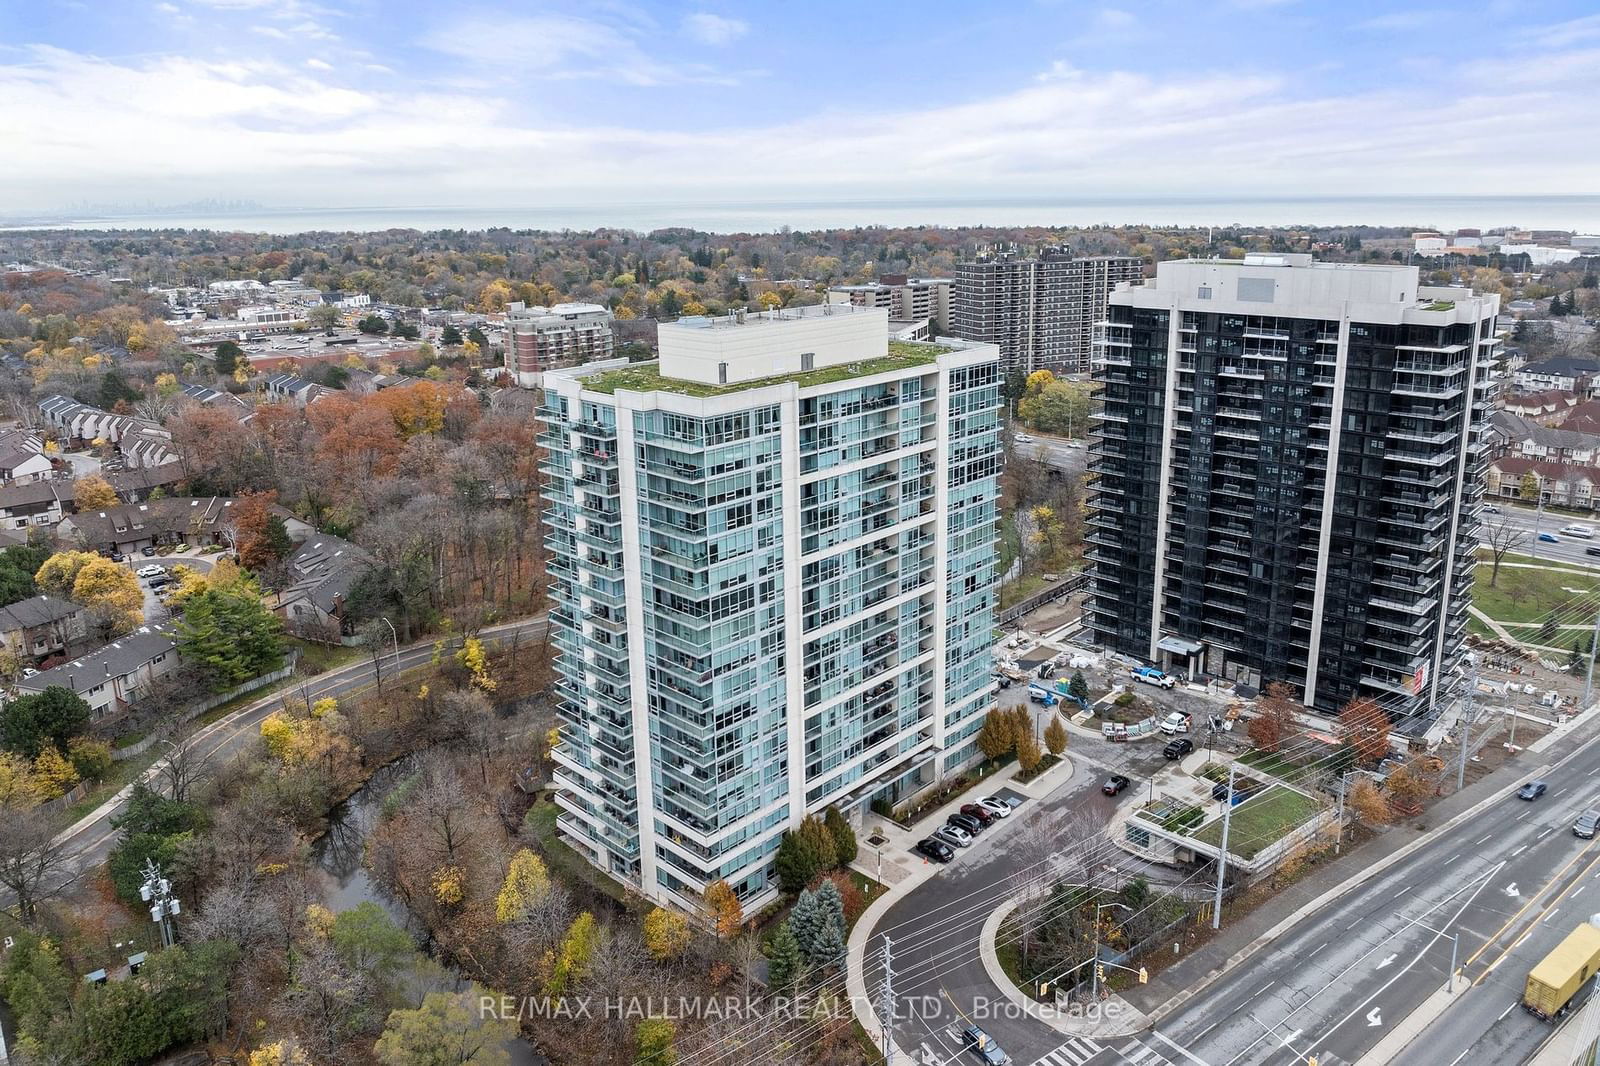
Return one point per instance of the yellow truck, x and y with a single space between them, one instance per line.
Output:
1560 974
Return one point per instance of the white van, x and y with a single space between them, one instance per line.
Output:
1586 532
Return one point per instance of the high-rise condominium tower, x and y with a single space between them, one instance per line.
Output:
1288 471
774 570
1039 311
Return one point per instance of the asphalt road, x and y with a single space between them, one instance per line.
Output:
90 840
1510 882
1068 457
1566 549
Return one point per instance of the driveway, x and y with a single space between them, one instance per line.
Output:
155 611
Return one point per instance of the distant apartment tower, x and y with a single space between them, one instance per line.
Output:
1287 474
773 564
542 338
1040 311
907 299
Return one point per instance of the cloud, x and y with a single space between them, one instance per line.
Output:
317 64
1562 34
714 29
1402 20
566 47
289 132
168 9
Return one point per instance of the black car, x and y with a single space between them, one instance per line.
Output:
967 822
937 850
1532 790
115 556
1114 784
1177 749
1586 825
1595 550
148 550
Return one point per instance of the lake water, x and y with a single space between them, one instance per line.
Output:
1577 213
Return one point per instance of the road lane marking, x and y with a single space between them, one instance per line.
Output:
1452 858
1552 914
1505 1012
1206 1030
1519 851
1554 903
1317 950
1262 989
1182 1051
1481 839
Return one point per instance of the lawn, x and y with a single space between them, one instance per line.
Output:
318 658
646 377
1259 822
1523 595
1020 589
1290 770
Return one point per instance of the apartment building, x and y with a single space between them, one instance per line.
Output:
541 338
773 558
1040 311
907 299
1287 473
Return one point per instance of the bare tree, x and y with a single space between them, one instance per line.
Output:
1501 536
440 806
31 861
186 766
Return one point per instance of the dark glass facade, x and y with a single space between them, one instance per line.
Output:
1357 592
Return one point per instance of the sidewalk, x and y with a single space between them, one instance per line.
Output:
1243 935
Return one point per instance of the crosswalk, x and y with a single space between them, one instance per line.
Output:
1075 1052
1078 1051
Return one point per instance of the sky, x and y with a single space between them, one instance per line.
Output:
291 103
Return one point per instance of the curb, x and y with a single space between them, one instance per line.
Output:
1401 1036
1054 1017
1353 882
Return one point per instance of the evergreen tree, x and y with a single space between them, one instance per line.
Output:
821 844
796 862
785 964
805 922
1078 687
844 837
451 337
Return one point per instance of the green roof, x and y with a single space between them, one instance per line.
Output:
646 377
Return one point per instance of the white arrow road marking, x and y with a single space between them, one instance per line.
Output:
1387 961
1511 890
1374 1018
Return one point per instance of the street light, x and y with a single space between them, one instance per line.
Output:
393 639
1094 979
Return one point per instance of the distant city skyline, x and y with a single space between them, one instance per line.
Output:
296 105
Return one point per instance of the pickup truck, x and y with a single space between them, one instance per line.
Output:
1174 723
1151 676
1560 974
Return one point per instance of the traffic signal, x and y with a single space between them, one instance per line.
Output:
1144 978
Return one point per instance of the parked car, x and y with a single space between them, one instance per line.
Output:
151 571
953 835
1490 508
996 806
978 811
1532 790
1176 722
971 825
1177 749
1151 676
1586 824
115 556
935 849
983 1045
149 550
1114 784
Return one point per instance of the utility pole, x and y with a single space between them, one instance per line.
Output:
1094 972
1222 859
1466 728
886 1001
1538 518
1588 683
1339 824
